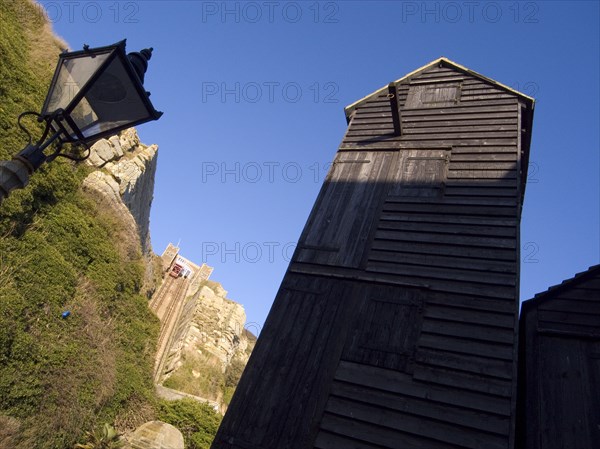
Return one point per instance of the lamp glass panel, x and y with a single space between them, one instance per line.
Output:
112 102
73 74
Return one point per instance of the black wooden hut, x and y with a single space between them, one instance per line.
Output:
394 326
559 366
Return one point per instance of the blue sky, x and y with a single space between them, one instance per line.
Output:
253 95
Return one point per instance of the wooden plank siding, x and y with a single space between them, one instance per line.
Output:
395 323
559 366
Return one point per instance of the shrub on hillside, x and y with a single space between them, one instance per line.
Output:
197 422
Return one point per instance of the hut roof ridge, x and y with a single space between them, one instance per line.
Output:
435 62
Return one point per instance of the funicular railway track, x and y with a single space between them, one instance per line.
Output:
166 305
168 317
158 299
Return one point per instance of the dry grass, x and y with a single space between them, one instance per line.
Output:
99 335
63 411
122 223
138 413
9 428
43 45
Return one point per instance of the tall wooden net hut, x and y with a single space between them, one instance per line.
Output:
395 324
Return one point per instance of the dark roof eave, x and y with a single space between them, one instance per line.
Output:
564 285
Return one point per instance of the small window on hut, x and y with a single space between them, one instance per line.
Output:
432 94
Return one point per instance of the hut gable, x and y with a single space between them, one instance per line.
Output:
443 105
395 323
441 71
559 366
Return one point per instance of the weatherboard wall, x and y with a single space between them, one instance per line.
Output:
395 323
559 366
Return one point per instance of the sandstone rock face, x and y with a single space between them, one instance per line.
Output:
124 181
155 435
209 359
127 168
218 325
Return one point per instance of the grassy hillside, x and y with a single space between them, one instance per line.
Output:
60 377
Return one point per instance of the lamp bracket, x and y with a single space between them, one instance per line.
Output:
33 154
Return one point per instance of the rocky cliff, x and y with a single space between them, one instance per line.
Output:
218 326
215 349
126 170
123 181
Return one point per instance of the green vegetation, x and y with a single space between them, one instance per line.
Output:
199 375
60 251
60 373
198 422
232 378
104 438
28 55
63 376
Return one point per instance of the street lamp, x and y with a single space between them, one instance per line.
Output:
94 93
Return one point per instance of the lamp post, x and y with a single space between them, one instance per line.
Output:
94 93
